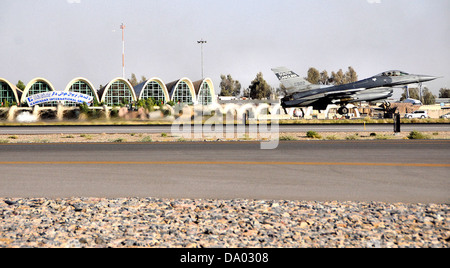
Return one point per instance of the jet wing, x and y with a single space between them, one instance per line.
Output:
319 99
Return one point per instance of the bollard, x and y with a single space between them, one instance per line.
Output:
397 123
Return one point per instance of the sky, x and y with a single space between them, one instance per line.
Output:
64 39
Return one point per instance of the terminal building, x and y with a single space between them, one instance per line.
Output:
117 92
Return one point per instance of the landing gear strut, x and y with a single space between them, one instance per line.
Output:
386 105
388 110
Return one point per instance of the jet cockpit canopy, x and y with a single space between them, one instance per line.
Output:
393 73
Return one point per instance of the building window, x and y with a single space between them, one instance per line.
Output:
204 96
80 87
155 91
41 87
183 94
6 94
118 94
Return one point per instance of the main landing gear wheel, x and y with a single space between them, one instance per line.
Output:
343 110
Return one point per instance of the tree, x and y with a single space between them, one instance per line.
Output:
313 76
259 88
338 78
20 85
444 93
427 97
413 94
350 75
281 91
229 86
324 79
246 93
133 80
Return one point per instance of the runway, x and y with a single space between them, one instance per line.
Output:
388 171
119 129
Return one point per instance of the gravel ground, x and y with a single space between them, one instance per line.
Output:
167 137
164 223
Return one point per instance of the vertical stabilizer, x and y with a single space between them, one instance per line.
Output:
290 80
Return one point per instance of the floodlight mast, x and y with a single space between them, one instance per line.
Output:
122 27
202 42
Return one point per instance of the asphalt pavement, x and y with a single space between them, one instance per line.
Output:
381 170
113 129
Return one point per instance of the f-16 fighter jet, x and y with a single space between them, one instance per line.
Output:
301 93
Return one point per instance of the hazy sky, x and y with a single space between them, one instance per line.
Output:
63 39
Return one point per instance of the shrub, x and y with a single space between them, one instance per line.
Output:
351 137
313 135
382 137
287 138
147 139
416 135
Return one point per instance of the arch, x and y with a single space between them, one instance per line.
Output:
152 88
86 87
205 91
182 91
8 91
35 86
117 91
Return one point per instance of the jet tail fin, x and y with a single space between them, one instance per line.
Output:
290 80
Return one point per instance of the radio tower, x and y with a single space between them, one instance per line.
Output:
122 27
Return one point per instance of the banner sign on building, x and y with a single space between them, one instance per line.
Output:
76 97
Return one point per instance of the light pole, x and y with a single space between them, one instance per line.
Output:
202 42
122 27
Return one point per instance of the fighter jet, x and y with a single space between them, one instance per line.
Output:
301 93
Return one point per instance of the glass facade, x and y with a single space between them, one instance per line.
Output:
6 94
119 93
80 87
155 91
182 94
41 87
204 95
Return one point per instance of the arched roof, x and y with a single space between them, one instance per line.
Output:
13 88
139 89
69 85
102 92
198 85
31 83
173 85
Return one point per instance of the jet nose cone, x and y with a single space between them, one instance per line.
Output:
425 78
